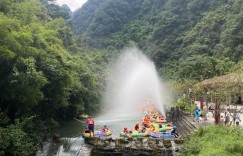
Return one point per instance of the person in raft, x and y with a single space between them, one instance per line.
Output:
104 129
136 126
162 117
173 132
126 131
90 123
86 130
146 121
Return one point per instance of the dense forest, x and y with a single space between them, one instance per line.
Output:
180 36
45 75
53 62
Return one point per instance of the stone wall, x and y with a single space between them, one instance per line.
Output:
134 146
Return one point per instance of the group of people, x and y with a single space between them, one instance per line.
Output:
147 124
227 115
226 118
89 128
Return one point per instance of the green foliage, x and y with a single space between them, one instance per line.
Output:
43 76
47 73
180 36
21 138
205 140
182 104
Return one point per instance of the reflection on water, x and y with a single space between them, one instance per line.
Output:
71 133
70 129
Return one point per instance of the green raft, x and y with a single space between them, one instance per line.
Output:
134 134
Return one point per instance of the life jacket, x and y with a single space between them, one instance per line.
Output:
125 130
104 129
146 120
90 121
170 124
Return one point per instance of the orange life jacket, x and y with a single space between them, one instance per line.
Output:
90 121
146 121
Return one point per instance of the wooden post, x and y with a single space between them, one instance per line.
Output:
217 111
207 100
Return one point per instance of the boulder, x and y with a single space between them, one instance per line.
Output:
167 143
56 137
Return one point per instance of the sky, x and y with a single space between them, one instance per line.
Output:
73 4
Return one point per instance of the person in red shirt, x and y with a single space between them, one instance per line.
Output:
104 129
90 123
126 131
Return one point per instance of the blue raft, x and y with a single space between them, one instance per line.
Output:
103 133
162 135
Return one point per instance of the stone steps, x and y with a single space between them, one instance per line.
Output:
185 127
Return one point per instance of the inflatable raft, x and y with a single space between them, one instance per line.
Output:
161 121
134 134
87 135
162 135
103 133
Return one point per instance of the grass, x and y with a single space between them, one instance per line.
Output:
215 141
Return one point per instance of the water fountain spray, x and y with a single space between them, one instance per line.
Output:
133 82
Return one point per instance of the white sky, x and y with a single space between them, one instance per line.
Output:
73 4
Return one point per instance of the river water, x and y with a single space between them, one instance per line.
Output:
71 134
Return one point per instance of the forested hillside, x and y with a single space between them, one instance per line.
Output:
181 36
53 62
44 75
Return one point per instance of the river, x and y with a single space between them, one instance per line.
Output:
71 134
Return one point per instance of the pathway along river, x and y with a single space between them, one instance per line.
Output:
71 133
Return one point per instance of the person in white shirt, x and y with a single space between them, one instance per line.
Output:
237 119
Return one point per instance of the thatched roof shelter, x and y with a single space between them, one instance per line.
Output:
225 81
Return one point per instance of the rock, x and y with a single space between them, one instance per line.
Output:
179 141
153 143
91 141
160 144
101 143
138 143
56 137
167 143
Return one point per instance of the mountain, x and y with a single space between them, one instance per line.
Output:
180 36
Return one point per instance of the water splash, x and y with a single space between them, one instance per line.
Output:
73 147
132 81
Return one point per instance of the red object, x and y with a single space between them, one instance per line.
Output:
103 129
170 124
91 121
125 130
146 121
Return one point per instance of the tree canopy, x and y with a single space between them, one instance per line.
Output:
180 36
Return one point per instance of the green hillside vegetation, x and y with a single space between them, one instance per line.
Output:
53 63
180 36
43 76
